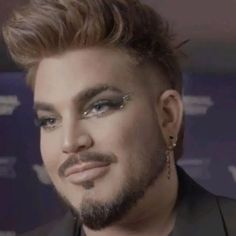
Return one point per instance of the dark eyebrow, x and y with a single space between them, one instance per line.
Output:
89 93
44 107
82 97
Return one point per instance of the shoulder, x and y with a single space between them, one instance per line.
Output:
228 211
63 226
197 207
41 230
227 204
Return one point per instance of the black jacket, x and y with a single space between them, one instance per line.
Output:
199 213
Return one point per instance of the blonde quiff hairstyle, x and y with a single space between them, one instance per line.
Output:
45 28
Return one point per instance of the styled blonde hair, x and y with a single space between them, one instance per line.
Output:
44 28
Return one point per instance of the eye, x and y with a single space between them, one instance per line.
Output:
103 107
47 123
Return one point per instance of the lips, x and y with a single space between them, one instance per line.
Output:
86 171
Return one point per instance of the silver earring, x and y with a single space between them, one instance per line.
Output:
169 150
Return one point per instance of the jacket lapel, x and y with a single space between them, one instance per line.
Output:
66 227
198 213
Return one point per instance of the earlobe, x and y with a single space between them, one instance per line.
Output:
170 114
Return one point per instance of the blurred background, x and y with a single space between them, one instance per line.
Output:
27 198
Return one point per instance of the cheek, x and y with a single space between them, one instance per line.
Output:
128 135
50 151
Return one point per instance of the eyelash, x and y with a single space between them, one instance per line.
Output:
43 122
114 104
49 123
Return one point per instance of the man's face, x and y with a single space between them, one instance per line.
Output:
100 137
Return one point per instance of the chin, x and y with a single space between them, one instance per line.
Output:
98 195
89 196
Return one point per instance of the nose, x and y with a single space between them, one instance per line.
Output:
75 140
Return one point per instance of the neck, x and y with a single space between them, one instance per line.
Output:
153 215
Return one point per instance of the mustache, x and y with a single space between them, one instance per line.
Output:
85 157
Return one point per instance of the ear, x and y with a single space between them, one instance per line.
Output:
170 114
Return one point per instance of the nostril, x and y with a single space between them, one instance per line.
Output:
85 141
76 145
69 148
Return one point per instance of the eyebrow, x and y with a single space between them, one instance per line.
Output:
88 94
82 97
44 107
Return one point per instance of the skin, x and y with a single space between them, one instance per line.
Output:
135 134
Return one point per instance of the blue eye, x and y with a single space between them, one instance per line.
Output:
47 123
103 107
100 108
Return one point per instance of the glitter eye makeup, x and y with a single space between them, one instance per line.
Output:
104 106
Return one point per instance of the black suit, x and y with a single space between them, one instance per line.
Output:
199 213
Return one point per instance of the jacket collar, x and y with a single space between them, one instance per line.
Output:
198 212
66 226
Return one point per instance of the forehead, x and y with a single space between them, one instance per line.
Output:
77 70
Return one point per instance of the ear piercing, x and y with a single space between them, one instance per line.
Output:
169 150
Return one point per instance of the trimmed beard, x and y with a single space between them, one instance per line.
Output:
96 215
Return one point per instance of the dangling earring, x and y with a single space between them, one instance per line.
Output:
169 150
